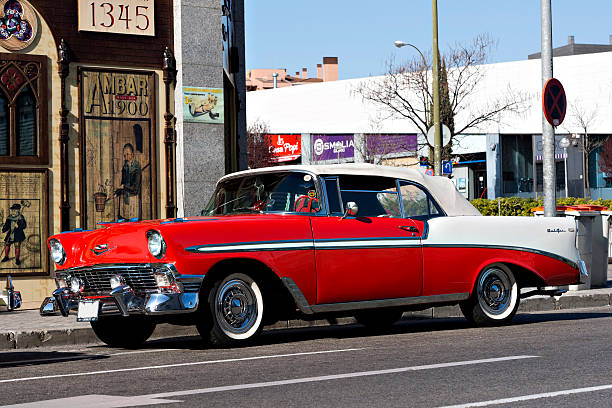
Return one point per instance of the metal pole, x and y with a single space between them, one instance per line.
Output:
565 165
548 132
436 95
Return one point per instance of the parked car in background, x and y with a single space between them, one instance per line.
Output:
309 241
10 299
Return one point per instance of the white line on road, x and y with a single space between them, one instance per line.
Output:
333 377
77 356
531 397
119 370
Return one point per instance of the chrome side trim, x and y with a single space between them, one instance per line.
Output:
584 273
298 296
398 302
308 309
511 248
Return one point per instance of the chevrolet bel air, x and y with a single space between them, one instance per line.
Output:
309 242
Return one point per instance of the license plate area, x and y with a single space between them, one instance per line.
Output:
88 310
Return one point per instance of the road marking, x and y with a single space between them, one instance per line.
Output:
531 397
230 360
333 377
80 357
92 401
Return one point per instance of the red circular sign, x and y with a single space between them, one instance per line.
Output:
554 102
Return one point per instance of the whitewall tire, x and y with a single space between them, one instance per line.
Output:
495 298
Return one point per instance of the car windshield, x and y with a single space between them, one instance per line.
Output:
274 192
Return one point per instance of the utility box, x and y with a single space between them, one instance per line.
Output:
592 241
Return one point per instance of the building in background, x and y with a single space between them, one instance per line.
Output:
259 79
112 109
501 158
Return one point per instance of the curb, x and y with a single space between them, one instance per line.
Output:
12 340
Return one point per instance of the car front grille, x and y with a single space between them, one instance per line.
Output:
97 278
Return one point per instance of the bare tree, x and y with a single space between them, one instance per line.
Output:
258 144
405 90
583 118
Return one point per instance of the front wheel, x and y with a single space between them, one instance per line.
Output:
125 332
495 299
236 311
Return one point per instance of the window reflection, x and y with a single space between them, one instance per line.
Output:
26 123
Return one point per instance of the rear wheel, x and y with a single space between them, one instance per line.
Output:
124 332
378 319
495 299
235 311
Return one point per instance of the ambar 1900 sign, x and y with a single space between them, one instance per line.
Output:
135 17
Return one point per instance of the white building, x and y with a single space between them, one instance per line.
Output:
511 144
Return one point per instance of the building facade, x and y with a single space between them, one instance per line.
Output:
101 117
499 158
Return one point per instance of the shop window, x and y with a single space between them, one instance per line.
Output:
517 164
23 109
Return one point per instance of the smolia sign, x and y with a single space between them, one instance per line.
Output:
135 17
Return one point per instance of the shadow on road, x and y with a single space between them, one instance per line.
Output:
25 358
406 326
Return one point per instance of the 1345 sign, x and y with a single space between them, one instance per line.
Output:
118 16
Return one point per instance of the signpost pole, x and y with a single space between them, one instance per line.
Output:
436 95
548 132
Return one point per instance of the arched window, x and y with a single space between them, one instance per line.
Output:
23 107
25 121
4 126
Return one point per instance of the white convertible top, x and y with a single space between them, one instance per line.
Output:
441 188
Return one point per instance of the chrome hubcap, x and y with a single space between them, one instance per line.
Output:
494 291
236 306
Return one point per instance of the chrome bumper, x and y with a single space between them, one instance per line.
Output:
123 301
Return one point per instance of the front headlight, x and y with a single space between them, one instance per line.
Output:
57 252
157 245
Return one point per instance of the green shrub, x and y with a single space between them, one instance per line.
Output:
523 206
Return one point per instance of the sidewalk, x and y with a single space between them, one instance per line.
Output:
26 328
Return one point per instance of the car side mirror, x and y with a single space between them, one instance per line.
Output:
351 210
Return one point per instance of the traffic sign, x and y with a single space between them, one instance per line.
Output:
447 167
446 135
554 102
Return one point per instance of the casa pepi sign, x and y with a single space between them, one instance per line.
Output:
285 147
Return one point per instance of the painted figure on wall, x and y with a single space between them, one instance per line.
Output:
130 199
13 226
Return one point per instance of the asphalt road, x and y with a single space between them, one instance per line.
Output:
560 359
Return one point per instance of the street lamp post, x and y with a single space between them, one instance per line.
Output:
436 108
400 44
436 94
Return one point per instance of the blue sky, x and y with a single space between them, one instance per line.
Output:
292 35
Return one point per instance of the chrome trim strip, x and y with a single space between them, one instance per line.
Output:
302 303
298 296
397 302
584 273
321 244
508 247
292 245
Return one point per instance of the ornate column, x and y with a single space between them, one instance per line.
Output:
64 69
169 135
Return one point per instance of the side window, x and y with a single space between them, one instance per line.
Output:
375 196
416 202
333 195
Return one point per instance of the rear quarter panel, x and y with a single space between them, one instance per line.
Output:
456 249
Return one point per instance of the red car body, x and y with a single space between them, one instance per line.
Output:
320 261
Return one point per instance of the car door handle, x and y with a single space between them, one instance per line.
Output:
409 228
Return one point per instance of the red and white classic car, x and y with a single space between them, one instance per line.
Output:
309 241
